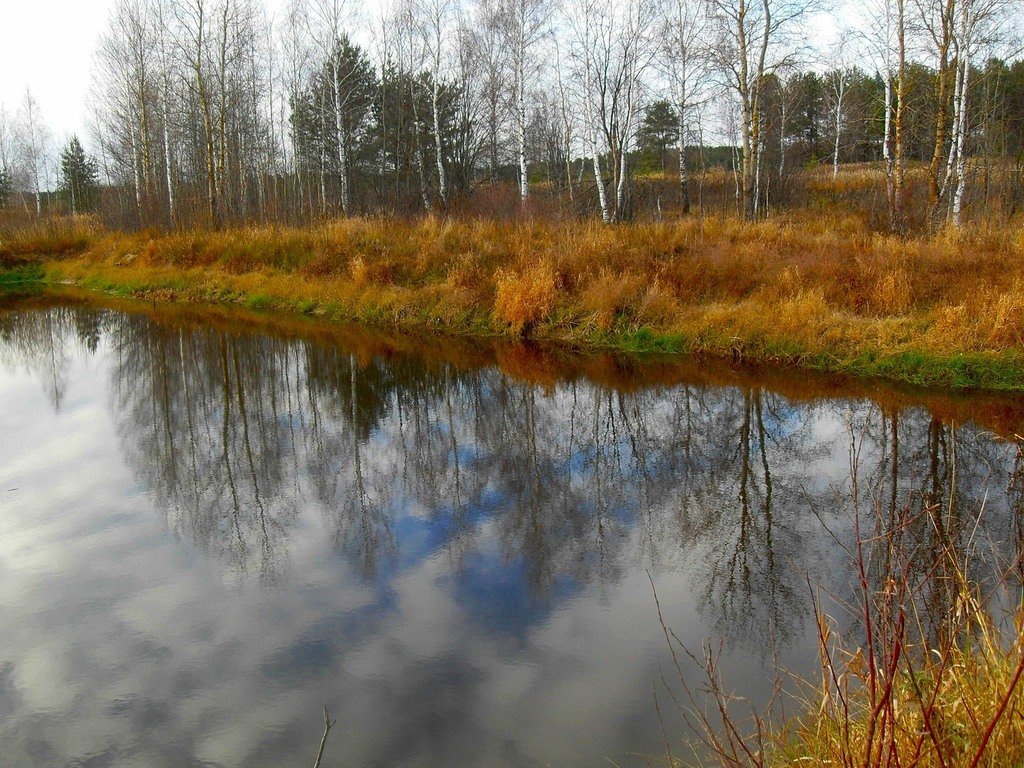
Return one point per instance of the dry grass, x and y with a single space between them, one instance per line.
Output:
817 289
959 706
523 299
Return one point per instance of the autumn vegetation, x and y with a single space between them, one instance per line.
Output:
816 287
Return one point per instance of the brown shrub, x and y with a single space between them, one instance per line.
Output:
610 295
525 298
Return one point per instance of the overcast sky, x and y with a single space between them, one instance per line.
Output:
47 45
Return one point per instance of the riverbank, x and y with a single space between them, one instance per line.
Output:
822 293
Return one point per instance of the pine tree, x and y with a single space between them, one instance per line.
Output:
80 176
659 130
6 186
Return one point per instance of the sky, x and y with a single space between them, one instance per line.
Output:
48 47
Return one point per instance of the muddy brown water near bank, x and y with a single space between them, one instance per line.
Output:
214 523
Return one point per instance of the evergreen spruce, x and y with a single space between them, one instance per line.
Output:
80 177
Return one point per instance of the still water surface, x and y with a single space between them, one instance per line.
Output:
209 531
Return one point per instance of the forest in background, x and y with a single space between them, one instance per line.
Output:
208 113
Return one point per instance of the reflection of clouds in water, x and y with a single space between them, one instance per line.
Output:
454 561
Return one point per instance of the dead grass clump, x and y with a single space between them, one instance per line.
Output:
320 265
464 273
365 271
59 237
610 295
892 293
1006 316
658 307
523 299
796 317
358 271
991 319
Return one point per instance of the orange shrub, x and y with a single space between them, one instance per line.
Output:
525 298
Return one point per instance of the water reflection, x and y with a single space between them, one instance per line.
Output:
452 557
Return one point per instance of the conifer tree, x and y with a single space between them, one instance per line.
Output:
79 175
6 186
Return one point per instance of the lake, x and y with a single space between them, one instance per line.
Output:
213 525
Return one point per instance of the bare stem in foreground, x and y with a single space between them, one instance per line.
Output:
328 724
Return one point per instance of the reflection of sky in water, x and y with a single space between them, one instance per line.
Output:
462 577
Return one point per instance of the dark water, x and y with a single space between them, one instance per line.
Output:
208 532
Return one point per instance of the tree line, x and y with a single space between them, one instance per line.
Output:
210 112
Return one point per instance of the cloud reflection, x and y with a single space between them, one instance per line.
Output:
216 532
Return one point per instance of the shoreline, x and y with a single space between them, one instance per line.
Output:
548 364
965 372
928 317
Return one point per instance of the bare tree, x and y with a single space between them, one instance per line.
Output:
435 26
491 57
327 22
32 143
524 24
687 60
756 41
978 24
582 21
839 85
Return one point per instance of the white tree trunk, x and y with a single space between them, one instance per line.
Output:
959 180
951 160
136 171
840 93
594 153
340 138
442 179
524 177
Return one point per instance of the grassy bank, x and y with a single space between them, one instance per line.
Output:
819 292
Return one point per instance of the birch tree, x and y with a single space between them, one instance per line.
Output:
886 41
436 26
582 21
755 41
839 79
491 57
194 31
524 23
977 24
327 29
616 45
32 141
686 56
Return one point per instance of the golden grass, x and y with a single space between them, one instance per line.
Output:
824 290
960 707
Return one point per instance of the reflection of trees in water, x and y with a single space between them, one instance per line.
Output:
235 434
43 342
746 508
953 491
201 422
342 407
